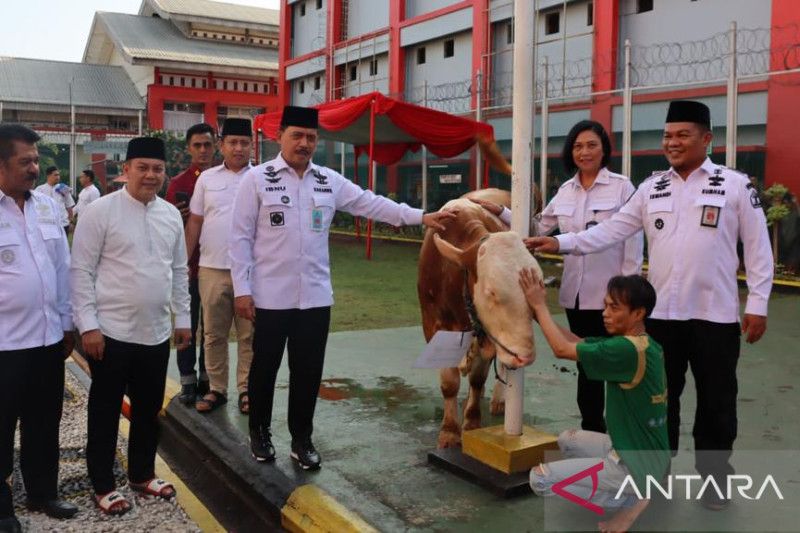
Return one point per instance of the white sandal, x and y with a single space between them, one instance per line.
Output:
155 487
107 503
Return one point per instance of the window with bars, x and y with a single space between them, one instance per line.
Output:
421 55
373 67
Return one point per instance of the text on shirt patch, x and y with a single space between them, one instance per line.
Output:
276 218
274 189
710 217
721 192
323 189
660 195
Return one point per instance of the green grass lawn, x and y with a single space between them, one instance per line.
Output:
382 293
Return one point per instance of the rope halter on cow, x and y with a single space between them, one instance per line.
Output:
479 329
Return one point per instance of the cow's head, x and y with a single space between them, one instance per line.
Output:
493 266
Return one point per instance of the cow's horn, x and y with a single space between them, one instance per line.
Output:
447 250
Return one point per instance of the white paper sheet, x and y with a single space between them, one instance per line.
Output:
445 350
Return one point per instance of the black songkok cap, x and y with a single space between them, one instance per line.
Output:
147 148
237 126
302 117
689 111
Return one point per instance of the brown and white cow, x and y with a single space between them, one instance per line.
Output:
477 246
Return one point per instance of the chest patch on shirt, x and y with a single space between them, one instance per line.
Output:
276 218
659 224
7 256
322 179
710 218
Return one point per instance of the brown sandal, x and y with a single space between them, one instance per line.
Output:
210 401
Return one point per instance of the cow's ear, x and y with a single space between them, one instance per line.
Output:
448 251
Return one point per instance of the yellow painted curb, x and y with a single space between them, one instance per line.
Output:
311 509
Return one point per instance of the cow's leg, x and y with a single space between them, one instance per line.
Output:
498 403
477 379
450 434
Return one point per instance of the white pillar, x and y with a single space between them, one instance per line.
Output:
140 123
73 167
478 117
521 155
545 132
733 103
425 156
627 113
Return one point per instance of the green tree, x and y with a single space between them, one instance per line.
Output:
776 212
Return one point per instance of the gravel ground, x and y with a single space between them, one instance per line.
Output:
148 514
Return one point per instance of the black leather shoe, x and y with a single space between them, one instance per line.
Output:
188 393
306 456
261 445
10 525
53 508
203 387
713 502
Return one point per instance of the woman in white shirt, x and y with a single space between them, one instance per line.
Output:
592 195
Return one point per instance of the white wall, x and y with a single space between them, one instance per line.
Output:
687 22
309 96
365 16
364 82
415 8
439 70
309 30
140 75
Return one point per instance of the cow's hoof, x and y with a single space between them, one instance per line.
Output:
448 439
497 407
471 424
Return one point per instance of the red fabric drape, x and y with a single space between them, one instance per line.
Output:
445 135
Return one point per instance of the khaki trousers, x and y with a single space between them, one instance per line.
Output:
216 295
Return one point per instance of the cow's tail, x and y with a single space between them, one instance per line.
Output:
491 152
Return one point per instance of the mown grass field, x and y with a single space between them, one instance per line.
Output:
381 293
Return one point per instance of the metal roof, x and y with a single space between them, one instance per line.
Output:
44 82
215 10
143 39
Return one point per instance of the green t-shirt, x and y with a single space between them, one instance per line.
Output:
636 399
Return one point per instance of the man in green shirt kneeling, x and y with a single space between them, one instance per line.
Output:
632 365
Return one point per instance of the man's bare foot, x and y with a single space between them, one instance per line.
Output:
623 519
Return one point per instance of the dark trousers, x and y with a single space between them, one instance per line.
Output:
591 393
306 332
188 356
143 370
31 391
712 351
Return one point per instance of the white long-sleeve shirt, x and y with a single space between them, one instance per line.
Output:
62 196
574 208
214 193
129 269
692 228
279 233
85 197
34 274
